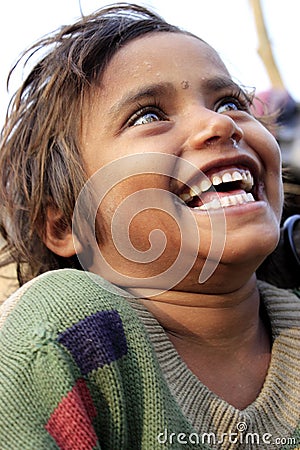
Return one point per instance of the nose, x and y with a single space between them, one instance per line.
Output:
213 129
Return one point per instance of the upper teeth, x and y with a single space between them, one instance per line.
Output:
222 177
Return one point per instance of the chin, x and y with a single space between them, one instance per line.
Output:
250 248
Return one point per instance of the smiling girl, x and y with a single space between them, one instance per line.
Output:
130 150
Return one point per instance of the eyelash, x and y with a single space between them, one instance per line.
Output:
240 99
142 110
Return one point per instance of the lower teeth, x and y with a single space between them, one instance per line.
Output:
230 200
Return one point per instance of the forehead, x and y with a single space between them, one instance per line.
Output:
158 56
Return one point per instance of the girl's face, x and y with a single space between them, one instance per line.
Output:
167 105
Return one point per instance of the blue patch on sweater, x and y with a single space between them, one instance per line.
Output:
95 341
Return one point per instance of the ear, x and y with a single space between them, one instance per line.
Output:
59 237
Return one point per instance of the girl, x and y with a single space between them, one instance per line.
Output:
131 153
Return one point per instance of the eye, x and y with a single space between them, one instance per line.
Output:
228 105
146 118
145 115
238 101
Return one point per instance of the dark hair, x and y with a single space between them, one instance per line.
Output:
40 155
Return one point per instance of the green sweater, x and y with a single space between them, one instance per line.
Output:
84 368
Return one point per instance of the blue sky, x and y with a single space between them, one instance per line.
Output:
226 24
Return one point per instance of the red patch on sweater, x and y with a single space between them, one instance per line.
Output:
71 422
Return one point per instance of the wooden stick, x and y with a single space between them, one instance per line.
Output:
264 46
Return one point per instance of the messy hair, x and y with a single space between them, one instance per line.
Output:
41 163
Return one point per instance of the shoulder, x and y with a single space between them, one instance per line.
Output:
68 313
58 329
283 310
269 292
58 300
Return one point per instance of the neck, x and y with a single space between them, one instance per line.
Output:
221 338
207 317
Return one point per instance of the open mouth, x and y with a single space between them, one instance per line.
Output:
221 189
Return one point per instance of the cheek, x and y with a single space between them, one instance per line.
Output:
280 195
139 242
273 167
135 208
268 152
266 147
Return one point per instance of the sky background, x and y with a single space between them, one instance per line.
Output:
227 25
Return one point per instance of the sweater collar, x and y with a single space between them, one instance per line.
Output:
275 414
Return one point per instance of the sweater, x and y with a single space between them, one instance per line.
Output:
83 367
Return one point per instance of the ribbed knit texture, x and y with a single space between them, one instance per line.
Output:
78 372
276 410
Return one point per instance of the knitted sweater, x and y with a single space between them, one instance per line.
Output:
84 368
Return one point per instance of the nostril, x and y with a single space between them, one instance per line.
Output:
232 141
238 134
212 140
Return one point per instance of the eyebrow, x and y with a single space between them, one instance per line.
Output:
133 97
218 83
156 90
